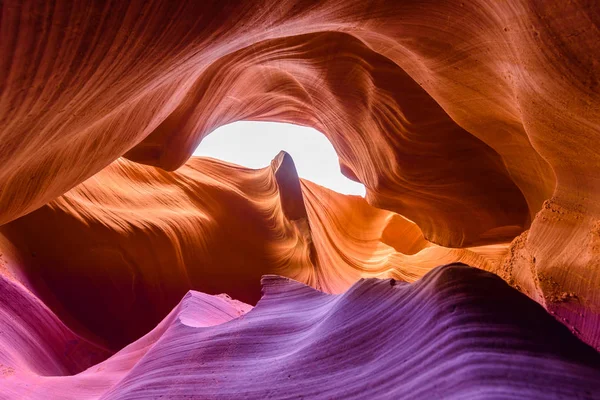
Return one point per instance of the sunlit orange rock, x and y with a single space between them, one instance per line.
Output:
154 105
120 250
116 253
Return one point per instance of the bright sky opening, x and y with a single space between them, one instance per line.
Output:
254 144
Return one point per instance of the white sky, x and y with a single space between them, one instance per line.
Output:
254 144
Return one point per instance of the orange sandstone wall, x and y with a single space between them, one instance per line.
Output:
114 255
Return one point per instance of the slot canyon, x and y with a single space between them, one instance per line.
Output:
132 269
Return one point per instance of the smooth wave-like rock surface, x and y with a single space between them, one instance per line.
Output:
34 340
475 120
154 98
474 127
458 333
116 253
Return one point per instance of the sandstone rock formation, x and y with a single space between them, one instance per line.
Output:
118 252
473 125
463 329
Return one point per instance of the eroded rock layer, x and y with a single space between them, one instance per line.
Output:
117 253
284 49
462 116
457 333
478 121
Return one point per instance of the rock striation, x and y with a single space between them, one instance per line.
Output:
473 125
458 333
118 252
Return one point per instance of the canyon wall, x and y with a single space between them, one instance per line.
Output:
474 126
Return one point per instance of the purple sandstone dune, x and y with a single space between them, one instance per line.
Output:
457 333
